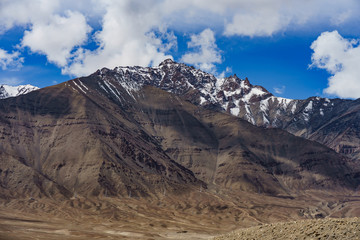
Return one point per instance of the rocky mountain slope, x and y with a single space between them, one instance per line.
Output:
13 91
59 143
333 122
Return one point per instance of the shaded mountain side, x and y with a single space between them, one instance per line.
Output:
332 122
57 142
232 153
341 132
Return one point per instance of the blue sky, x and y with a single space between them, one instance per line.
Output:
295 49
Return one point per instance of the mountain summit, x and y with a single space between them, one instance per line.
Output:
199 87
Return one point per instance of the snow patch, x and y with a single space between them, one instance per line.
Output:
293 108
309 107
243 86
265 120
264 105
79 87
202 100
248 115
235 111
219 83
83 85
253 92
112 91
103 88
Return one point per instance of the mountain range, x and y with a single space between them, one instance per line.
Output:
171 131
332 122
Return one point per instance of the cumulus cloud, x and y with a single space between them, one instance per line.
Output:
341 58
206 52
132 34
10 60
58 37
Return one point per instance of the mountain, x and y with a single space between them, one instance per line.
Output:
7 91
150 153
122 135
333 122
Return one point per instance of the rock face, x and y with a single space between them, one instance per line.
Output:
332 122
139 132
7 91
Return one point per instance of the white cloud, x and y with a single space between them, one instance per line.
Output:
12 81
10 60
25 12
22 12
264 18
132 34
258 18
58 37
135 32
253 24
279 90
341 58
206 52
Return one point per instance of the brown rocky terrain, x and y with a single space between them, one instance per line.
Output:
199 215
329 228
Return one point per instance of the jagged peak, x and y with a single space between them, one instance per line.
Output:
167 61
234 78
247 82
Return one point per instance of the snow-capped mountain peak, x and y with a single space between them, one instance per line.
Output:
7 91
227 94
